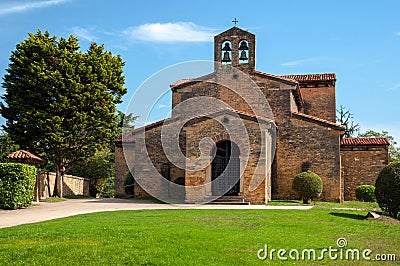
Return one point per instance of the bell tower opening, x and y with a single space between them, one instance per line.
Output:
226 52
235 47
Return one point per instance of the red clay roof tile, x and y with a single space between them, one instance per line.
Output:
24 155
365 141
312 77
318 120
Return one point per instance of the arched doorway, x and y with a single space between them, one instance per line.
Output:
225 169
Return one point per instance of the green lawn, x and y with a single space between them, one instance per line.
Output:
194 237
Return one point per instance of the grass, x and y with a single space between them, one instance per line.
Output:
192 237
323 204
53 199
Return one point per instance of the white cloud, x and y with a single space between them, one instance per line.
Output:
160 106
298 62
19 6
170 32
397 33
83 33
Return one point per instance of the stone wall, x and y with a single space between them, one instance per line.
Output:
361 165
320 101
72 185
303 142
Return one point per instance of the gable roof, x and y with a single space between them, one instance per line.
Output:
318 121
365 141
235 30
189 81
129 137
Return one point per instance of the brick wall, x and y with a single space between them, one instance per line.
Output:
361 165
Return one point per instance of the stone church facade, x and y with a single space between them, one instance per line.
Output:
296 131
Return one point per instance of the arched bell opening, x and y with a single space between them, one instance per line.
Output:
243 52
226 52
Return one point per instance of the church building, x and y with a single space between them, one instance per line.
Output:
242 134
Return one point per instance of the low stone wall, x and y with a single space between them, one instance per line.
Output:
72 185
361 165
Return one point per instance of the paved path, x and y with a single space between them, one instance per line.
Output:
52 210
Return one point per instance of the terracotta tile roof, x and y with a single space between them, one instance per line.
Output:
318 120
24 155
365 141
283 78
312 77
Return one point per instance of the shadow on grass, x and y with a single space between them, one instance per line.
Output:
348 215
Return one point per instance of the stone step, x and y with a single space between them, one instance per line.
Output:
230 200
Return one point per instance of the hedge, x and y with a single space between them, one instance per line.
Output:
365 193
17 183
387 189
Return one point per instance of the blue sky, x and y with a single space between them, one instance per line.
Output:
357 40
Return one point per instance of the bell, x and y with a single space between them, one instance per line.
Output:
243 46
227 47
226 57
243 55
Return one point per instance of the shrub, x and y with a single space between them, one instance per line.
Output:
365 193
308 185
387 189
17 183
129 182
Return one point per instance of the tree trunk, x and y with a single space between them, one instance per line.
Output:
58 184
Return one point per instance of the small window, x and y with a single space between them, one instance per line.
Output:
166 171
305 166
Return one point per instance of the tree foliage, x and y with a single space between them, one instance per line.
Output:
60 101
308 185
7 146
345 118
125 122
387 189
394 151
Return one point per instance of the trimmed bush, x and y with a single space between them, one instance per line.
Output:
17 183
308 185
387 189
365 193
129 182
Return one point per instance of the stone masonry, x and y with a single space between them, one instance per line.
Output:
296 131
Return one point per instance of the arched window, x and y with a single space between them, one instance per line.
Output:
243 52
226 52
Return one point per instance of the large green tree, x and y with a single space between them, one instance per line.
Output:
60 101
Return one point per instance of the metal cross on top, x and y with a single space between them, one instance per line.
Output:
235 21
